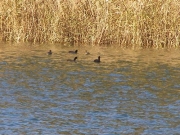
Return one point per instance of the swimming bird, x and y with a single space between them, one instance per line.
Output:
50 52
73 52
97 60
87 53
74 60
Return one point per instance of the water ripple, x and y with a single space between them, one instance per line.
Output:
130 94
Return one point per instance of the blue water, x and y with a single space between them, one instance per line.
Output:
129 92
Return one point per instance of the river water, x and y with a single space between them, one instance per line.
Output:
132 91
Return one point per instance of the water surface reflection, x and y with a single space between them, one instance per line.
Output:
129 92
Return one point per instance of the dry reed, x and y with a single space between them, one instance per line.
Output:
146 23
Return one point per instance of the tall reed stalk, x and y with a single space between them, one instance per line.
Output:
146 23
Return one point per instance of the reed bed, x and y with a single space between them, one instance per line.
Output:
144 23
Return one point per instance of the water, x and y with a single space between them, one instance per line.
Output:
129 92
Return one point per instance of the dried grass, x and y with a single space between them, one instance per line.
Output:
145 23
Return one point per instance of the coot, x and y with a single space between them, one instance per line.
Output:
97 60
74 60
50 52
73 52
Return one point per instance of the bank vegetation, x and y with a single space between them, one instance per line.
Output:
145 23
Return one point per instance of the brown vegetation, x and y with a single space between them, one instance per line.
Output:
146 23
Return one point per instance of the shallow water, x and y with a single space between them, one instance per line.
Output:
129 92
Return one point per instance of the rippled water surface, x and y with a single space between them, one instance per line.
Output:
129 92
